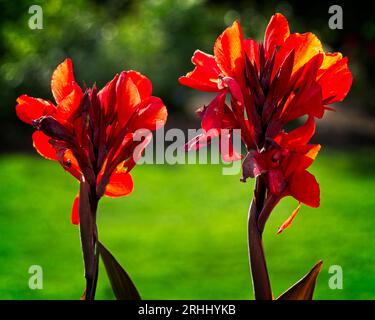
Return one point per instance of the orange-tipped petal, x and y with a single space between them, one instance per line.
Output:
120 184
305 47
29 108
42 145
289 221
336 81
276 33
75 211
304 187
62 82
228 51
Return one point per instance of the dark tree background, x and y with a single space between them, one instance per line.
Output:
157 38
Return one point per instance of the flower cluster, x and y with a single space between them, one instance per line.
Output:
269 85
96 136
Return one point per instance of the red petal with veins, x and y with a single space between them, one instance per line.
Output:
229 52
307 96
62 82
305 47
276 33
336 82
69 104
29 108
127 98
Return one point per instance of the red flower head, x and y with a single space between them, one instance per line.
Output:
270 84
96 136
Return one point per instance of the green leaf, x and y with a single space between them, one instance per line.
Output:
304 288
123 287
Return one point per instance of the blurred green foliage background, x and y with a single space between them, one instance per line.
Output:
181 234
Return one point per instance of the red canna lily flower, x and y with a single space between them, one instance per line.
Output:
97 137
92 134
269 84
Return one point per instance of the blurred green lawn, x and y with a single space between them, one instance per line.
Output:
182 233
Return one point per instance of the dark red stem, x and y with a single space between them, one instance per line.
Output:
258 266
88 203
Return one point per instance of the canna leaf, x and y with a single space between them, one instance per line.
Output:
304 288
122 286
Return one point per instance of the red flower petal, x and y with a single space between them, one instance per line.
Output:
305 47
276 181
276 33
297 137
213 114
251 49
107 97
62 82
44 148
304 187
127 97
205 75
336 81
29 108
307 97
234 89
145 139
143 84
75 211
69 104
72 164
120 184
289 221
300 159
152 115
229 52
227 151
